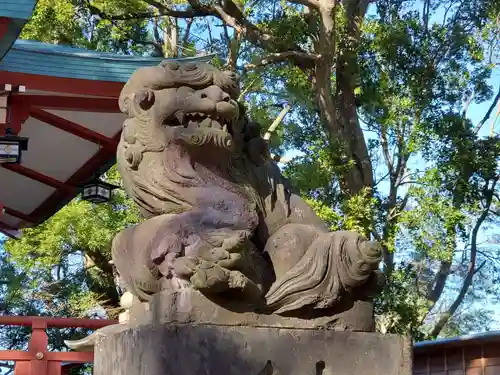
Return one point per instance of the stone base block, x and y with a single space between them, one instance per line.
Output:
177 349
189 306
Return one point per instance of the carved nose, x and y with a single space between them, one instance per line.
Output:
214 93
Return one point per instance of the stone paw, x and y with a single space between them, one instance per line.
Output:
210 277
168 246
223 258
233 262
215 254
236 242
185 267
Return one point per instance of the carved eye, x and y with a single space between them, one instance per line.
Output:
190 67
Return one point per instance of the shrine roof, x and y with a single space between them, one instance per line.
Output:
65 101
30 57
17 9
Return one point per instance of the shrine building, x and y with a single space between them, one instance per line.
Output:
59 110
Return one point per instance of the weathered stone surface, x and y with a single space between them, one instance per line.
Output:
190 306
220 217
235 350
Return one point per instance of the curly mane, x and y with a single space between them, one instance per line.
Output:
155 172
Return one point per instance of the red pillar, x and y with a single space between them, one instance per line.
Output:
38 346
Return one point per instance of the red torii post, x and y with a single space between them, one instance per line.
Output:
38 360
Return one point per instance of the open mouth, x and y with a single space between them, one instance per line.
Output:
195 120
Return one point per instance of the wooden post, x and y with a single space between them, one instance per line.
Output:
38 360
38 346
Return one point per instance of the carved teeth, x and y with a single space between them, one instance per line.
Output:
216 124
206 123
198 119
180 117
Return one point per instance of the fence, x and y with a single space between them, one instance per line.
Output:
37 360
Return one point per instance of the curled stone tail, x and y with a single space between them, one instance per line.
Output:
332 268
298 287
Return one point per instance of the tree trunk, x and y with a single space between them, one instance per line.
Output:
170 38
338 110
174 37
100 278
347 123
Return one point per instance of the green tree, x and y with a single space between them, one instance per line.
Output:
61 267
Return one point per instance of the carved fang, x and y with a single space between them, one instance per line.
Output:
180 116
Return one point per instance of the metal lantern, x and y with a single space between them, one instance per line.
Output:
97 191
11 148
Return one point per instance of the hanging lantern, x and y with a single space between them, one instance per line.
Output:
11 148
97 191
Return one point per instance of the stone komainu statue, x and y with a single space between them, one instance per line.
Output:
220 217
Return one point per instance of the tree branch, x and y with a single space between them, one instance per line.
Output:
232 16
246 90
493 122
442 275
426 12
277 121
387 155
396 167
314 4
468 103
166 11
445 317
478 269
282 56
124 17
185 38
488 112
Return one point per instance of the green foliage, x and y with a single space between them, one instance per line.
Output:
61 267
79 23
79 228
401 308
54 21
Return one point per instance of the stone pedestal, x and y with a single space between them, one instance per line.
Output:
188 349
191 307
185 333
